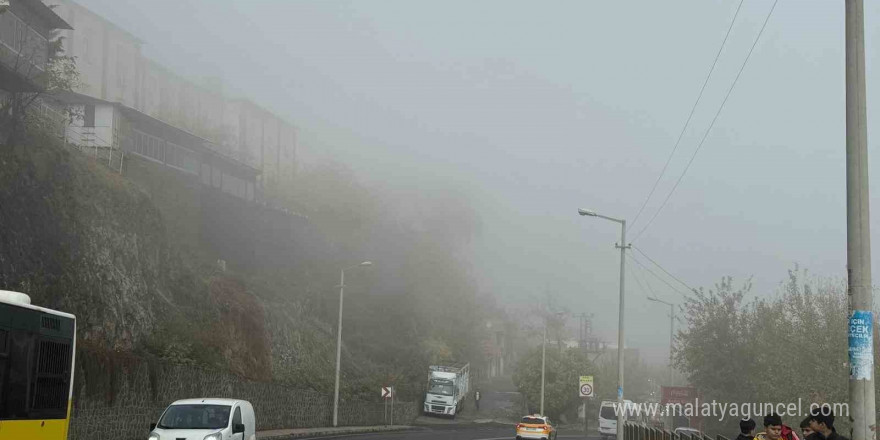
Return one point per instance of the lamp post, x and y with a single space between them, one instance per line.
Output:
339 339
620 336
544 358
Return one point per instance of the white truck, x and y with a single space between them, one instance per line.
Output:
448 387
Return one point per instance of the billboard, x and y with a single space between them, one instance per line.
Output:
678 395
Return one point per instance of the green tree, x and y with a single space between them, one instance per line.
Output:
562 372
789 346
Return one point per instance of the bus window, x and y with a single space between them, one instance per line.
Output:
34 377
18 376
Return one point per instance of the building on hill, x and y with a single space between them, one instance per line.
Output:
26 28
265 140
134 134
113 69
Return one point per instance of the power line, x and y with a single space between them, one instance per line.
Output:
642 287
712 124
657 276
690 116
650 289
646 283
664 270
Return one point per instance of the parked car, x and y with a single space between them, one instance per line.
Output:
206 419
535 427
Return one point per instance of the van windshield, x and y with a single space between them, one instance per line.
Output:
195 417
607 412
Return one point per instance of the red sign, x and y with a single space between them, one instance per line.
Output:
679 395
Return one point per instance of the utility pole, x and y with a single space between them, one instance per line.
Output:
339 341
671 337
544 354
543 362
620 337
671 344
621 344
858 237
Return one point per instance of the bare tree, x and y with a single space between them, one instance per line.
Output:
44 70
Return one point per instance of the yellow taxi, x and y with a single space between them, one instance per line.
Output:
535 427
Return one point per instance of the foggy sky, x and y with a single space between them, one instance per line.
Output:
533 109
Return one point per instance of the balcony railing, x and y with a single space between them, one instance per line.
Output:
24 47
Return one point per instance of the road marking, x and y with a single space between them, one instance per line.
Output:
508 437
358 434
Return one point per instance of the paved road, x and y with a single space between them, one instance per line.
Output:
451 432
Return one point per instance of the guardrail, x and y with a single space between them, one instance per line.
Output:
637 431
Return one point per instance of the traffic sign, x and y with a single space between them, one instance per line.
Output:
387 392
586 386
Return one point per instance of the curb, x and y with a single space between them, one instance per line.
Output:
320 432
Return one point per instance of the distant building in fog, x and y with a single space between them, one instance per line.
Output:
114 71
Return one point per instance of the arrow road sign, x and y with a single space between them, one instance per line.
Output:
387 392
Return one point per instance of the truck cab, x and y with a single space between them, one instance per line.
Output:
447 388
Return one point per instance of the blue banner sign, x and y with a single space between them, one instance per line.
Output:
861 345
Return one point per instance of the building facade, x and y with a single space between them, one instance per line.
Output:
26 28
113 69
114 128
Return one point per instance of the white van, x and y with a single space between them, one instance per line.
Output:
608 417
206 419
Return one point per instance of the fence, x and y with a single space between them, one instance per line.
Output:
87 140
637 431
117 396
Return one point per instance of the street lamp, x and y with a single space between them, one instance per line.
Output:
671 323
623 247
339 338
544 357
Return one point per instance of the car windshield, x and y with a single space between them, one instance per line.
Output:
607 412
532 421
443 388
195 417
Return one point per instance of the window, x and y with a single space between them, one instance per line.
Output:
121 70
195 417
89 116
19 35
36 48
17 376
149 146
182 158
441 387
8 28
86 47
236 418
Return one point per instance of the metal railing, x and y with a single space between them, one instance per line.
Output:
87 141
638 431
